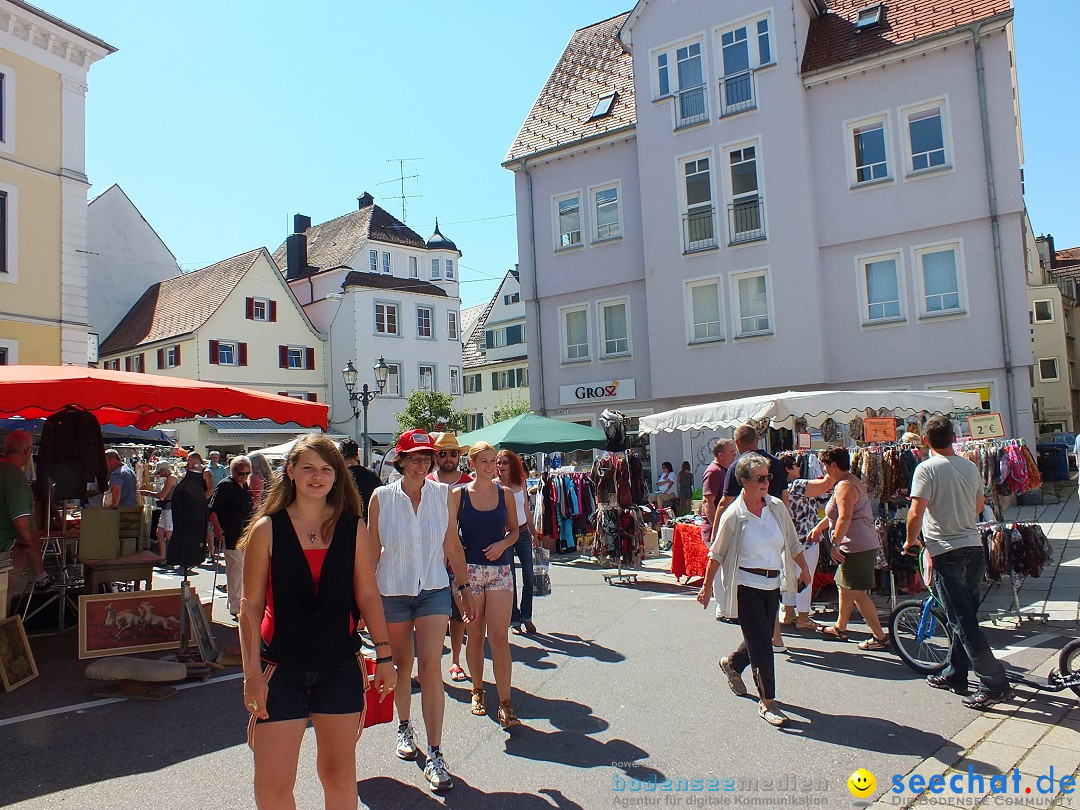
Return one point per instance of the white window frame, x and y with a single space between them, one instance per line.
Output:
455 381
414 267
430 324
11 346
233 345
169 356
670 50
917 251
563 312
436 269
1057 368
734 298
729 191
602 341
688 302
680 191
1035 313
420 376
373 261
885 119
597 237
375 317
452 332
11 216
556 234
393 373
7 143
754 61
449 271
300 353
265 304
861 261
386 265
941 102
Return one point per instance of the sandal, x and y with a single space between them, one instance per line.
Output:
457 674
882 643
507 717
478 707
517 629
832 632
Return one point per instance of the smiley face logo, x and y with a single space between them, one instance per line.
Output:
861 783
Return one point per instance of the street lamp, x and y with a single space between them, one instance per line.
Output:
359 400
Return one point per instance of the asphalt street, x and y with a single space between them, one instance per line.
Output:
620 689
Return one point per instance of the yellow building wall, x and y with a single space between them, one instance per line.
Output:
38 345
37 113
37 292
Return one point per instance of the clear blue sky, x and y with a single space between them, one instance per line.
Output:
221 120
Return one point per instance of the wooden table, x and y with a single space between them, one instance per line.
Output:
136 568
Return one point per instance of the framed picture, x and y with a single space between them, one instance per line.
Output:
17 664
200 627
132 622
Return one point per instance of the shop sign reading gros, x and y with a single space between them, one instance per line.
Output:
604 391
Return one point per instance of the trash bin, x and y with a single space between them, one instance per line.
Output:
1048 461
1062 461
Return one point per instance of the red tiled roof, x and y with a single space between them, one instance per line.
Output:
1067 256
334 243
178 306
833 40
594 63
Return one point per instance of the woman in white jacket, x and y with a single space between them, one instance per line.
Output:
754 543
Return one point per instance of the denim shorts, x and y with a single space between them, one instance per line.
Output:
490 578
293 694
425 603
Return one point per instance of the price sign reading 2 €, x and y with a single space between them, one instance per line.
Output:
986 426
879 429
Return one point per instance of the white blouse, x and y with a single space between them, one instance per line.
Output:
412 558
762 545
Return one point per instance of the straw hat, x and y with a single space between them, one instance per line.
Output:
448 441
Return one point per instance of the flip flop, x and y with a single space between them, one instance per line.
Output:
832 632
882 643
457 673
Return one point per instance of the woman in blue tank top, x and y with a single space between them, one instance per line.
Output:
487 521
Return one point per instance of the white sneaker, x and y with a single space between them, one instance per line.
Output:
719 613
437 775
779 648
406 741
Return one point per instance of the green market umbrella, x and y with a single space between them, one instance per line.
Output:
529 433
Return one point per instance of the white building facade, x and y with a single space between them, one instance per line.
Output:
377 289
719 212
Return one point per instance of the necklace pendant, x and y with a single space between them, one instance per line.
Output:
311 538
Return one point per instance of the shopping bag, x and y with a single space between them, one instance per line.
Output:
377 711
541 572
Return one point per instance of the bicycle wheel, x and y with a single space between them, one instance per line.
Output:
1069 660
921 636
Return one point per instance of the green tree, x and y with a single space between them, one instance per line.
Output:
430 410
510 407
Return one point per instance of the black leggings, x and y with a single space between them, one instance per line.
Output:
757 618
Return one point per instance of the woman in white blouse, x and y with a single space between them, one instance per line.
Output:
755 542
410 523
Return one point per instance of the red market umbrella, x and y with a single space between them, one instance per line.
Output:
143 400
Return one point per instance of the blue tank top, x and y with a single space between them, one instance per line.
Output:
480 529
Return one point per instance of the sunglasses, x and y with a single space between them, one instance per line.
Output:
451 453
243 472
761 479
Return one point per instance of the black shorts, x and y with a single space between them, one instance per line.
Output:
297 694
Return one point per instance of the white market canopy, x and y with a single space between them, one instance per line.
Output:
280 451
814 406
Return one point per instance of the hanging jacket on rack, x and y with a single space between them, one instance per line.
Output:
72 453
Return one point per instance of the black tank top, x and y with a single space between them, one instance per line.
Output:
311 630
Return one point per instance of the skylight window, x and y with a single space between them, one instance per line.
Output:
868 18
603 106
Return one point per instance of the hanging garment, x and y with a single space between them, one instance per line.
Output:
187 547
72 453
613 423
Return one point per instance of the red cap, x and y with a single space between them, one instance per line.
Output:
415 441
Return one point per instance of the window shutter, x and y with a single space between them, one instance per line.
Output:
142 362
489 339
177 354
312 397
513 335
520 376
213 351
494 381
309 359
249 308
161 358
282 393
127 363
273 312
241 354
283 356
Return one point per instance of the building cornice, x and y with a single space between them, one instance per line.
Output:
609 138
899 53
43 38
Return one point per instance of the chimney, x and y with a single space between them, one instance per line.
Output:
295 256
300 223
365 200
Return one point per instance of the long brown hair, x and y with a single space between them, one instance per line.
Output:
517 469
341 496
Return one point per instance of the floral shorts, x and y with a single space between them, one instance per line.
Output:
490 578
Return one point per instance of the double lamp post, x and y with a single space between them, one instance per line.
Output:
362 398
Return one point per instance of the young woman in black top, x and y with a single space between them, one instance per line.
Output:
309 574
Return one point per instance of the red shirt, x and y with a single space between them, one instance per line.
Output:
315 558
712 488
464 478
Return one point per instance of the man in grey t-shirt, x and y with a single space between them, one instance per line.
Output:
946 497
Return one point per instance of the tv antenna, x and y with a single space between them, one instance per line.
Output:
400 180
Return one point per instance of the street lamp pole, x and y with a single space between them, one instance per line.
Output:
359 400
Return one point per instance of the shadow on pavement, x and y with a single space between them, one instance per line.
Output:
567 715
383 792
577 647
580 751
861 732
849 659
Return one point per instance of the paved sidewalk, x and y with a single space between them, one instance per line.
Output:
1039 730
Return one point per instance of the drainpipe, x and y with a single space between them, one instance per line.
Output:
995 229
535 294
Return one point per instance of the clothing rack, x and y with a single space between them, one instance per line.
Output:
619 525
1025 553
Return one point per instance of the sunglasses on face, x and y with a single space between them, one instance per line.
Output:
761 479
243 472
451 453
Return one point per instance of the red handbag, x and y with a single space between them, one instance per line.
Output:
376 711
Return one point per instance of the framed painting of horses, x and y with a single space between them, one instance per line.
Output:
133 622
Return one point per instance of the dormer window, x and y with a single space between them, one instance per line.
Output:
603 105
869 18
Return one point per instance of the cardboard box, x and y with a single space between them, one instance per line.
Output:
652 544
100 534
